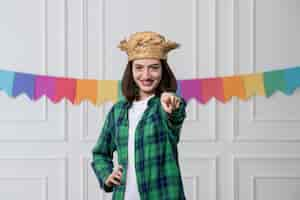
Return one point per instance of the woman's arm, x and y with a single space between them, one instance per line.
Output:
102 163
175 119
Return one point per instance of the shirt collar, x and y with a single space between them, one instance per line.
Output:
149 102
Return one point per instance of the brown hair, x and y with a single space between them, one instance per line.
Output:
167 83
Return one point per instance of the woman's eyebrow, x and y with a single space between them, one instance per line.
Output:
156 64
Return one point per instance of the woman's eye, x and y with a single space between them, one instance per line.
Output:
155 67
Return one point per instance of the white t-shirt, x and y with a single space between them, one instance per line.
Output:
135 113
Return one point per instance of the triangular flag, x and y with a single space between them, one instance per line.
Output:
254 84
274 80
44 85
7 81
107 91
191 89
292 79
212 87
24 83
233 86
65 88
86 89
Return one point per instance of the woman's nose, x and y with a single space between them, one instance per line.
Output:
146 73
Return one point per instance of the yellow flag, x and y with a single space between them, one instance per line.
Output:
107 91
254 84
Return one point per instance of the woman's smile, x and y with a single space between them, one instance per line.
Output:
146 82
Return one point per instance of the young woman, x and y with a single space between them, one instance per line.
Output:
144 128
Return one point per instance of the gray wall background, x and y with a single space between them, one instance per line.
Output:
238 150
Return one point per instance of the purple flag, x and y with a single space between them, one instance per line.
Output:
23 83
44 85
191 89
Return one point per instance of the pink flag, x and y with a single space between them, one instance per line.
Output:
65 87
212 87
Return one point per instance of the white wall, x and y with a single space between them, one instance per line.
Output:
239 150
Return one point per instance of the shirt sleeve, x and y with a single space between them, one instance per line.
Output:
175 120
102 161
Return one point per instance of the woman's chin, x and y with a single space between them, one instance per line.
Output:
147 89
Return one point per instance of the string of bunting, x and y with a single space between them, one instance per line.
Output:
97 92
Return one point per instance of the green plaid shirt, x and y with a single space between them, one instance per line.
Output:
156 157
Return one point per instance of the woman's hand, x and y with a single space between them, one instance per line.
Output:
115 177
169 101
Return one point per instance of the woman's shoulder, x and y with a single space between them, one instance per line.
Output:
120 104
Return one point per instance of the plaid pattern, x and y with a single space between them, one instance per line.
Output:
156 158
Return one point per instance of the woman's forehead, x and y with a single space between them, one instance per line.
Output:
148 61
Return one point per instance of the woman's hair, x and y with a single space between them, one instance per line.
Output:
167 83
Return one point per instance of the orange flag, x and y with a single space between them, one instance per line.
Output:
86 89
233 86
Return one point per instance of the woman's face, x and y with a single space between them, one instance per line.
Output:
147 74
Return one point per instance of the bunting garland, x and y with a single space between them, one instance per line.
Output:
99 91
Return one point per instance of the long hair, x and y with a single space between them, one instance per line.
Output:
167 83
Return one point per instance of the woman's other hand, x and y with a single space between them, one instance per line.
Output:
115 177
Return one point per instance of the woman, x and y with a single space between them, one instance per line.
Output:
144 128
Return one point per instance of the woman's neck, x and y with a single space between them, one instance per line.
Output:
144 96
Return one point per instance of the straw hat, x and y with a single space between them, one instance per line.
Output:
147 44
